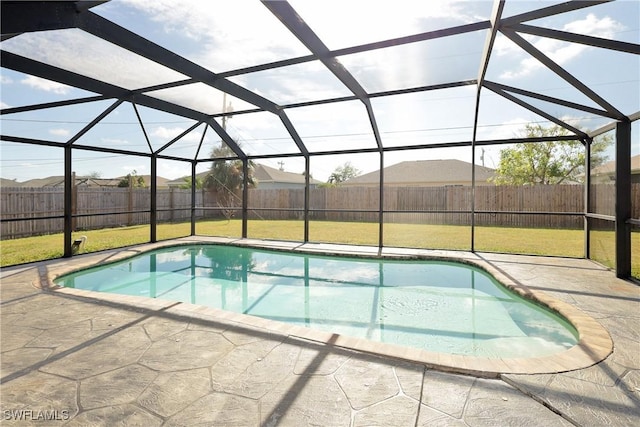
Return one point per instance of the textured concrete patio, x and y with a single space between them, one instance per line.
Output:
83 358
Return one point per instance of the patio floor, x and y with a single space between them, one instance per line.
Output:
71 357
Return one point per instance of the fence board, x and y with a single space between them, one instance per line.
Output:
328 203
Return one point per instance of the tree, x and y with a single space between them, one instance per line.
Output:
132 179
226 177
547 162
187 183
343 173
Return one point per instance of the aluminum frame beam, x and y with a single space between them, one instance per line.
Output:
623 199
299 28
113 33
39 69
550 99
568 77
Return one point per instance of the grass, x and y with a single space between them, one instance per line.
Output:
557 242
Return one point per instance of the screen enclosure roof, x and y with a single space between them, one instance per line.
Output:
299 78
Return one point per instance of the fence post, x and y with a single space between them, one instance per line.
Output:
74 202
171 218
130 202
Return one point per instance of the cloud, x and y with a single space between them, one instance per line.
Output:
76 50
4 105
560 52
222 30
46 85
115 141
167 134
59 132
5 79
173 170
342 23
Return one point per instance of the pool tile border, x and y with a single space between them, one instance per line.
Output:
594 344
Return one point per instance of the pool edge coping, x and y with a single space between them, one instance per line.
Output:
594 342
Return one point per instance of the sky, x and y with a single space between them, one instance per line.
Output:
229 35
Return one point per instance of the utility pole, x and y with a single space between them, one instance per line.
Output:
225 107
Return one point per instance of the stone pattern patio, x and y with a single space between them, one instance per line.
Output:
110 361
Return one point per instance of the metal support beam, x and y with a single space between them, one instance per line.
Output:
170 143
193 198
617 45
536 110
94 122
154 199
26 16
307 180
556 9
111 32
245 196
28 66
144 131
294 23
46 105
496 14
381 205
623 199
568 77
68 202
587 197
550 99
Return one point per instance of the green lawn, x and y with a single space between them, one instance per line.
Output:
555 242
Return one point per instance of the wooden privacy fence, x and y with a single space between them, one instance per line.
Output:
112 207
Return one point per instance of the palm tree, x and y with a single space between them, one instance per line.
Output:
226 178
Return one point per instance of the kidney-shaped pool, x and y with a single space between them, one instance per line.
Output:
438 306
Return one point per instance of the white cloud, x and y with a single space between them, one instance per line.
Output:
80 52
115 141
4 105
173 170
167 134
5 79
342 23
225 32
46 85
59 132
558 51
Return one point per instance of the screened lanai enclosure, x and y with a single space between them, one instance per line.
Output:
497 126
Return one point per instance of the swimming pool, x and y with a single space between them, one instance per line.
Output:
439 306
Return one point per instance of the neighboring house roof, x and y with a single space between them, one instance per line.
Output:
265 174
609 168
182 180
261 173
83 181
9 183
161 182
424 171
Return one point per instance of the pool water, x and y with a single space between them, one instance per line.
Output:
433 305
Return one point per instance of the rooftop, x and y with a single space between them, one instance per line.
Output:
448 171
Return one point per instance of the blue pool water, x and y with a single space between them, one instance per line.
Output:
434 305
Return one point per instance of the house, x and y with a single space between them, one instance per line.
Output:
81 181
606 172
182 181
9 183
425 173
271 178
265 177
